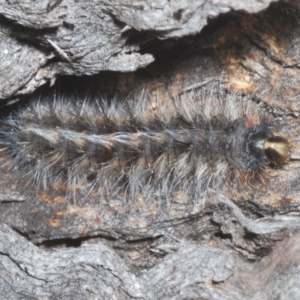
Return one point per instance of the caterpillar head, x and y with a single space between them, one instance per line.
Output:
277 150
263 147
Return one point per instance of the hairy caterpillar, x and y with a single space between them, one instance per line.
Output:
142 147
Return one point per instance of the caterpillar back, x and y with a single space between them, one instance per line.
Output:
141 147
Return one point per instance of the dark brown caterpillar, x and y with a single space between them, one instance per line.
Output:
142 147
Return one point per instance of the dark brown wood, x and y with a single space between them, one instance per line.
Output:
225 246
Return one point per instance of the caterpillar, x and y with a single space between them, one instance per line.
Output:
146 146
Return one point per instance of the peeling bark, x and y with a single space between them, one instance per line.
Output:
73 38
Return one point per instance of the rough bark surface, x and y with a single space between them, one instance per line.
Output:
240 245
73 38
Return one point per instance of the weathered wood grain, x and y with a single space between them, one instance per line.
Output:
185 271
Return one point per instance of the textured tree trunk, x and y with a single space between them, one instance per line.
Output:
240 244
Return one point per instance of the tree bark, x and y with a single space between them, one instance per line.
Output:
236 245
